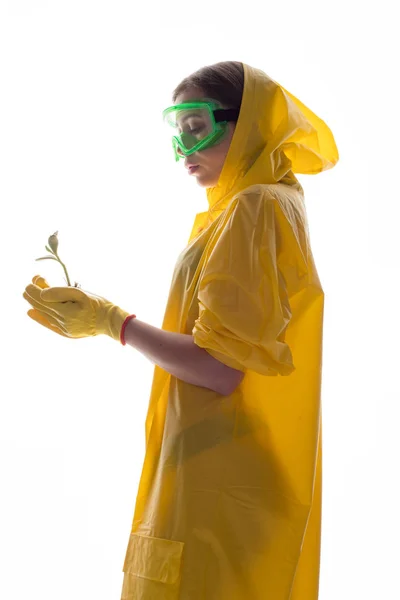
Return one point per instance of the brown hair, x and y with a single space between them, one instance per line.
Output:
223 81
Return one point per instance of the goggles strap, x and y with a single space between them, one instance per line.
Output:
226 114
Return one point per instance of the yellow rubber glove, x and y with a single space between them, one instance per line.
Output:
72 312
38 316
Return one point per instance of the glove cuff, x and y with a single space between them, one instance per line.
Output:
122 336
115 320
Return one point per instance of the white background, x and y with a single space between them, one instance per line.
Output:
82 151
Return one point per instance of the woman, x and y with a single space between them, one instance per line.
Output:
229 501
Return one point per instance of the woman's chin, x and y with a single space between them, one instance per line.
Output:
204 180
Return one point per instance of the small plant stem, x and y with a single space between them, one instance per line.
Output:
65 270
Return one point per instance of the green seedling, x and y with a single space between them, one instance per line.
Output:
53 249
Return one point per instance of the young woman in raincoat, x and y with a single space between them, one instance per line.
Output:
229 500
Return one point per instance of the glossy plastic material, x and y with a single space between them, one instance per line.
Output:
229 500
202 125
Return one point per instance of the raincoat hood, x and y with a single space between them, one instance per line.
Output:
276 136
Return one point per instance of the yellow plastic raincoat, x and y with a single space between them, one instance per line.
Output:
229 501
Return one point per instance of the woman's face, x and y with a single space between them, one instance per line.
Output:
211 160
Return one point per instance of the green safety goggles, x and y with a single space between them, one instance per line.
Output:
197 125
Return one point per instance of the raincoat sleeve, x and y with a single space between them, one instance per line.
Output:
244 309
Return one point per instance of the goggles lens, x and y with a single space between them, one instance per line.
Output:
189 125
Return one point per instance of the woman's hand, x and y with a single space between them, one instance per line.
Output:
40 317
72 312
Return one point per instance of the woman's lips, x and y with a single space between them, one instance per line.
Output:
193 169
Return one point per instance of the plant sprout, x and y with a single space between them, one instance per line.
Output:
53 249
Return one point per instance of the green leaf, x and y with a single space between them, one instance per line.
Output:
47 258
49 250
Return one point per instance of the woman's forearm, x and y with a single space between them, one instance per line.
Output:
177 354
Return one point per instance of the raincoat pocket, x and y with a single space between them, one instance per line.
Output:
152 568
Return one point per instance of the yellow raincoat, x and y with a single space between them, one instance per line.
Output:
229 501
